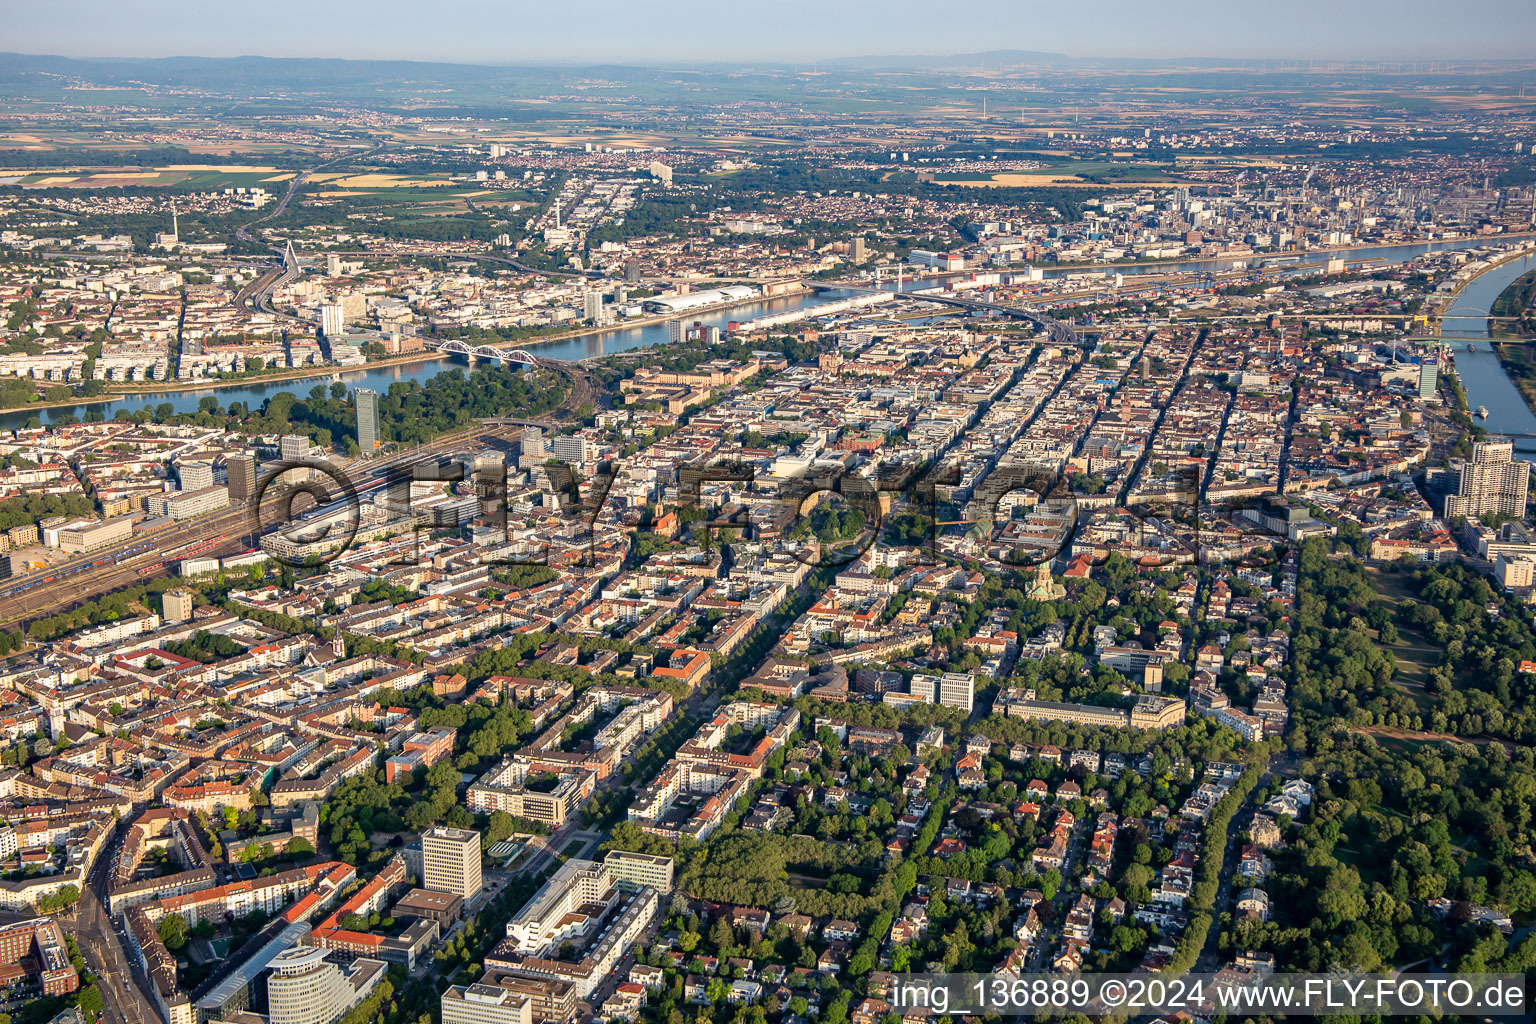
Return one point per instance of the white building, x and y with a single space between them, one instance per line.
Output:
332 319
485 1004
957 690
450 860
305 987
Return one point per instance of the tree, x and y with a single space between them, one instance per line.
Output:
172 929
90 1001
65 897
500 828
721 934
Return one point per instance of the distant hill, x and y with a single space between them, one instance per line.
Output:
533 92
990 59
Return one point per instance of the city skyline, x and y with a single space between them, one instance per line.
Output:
664 519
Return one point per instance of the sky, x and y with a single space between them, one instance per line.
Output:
665 31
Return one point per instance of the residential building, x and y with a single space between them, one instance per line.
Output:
1493 480
1429 378
176 605
333 319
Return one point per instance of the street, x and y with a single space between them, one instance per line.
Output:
117 975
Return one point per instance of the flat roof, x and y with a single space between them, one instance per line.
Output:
627 855
427 899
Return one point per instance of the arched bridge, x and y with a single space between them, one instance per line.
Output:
1469 312
518 356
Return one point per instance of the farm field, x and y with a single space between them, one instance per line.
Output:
193 176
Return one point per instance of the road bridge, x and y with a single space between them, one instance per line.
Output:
474 353
508 421
1060 332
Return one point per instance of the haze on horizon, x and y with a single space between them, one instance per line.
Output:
667 31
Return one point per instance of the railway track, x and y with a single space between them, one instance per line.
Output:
45 593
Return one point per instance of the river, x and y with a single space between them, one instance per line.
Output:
622 339
1481 374
379 378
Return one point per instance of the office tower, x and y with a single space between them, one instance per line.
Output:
489 463
293 446
533 443
176 606
924 688
593 301
483 1003
332 319
242 477
1429 378
305 987
1493 480
632 271
573 448
450 861
957 690
675 330
857 250
367 419
332 265
195 474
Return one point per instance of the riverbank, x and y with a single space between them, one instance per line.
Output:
68 403
1520 367
300 374
414 358
1517 360
1495 376
1450 301
118 393
571 344
1517 302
